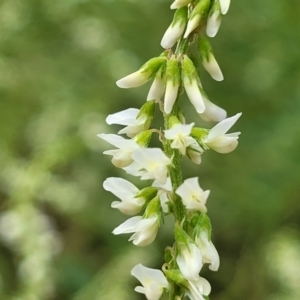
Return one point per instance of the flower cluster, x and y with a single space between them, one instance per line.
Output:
172 72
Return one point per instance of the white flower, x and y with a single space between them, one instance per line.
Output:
157 88
122 156
180 134
198 288
145 73
224 6
128 117
193 197
193 152
212 113
218 140
145 230
208 251
172 83
126 192
192 24
151 163
163 193
180 3
189 261
153 281
212 67
173 33
214 21
135 79
190 83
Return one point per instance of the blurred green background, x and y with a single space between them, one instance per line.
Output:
59 60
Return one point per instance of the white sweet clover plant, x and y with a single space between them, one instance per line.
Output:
172 73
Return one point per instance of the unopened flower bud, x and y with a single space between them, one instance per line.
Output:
224 6
198 15
214 19
145 73
172 83
208 60
180 3
176 29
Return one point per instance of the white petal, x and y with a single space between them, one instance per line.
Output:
213 24
194 95
226 149
128 226
180 3
222 127
212 113
120 187
224 6
157 89
192 25
212 67
190 262
172 34
135 79
170 96
124 117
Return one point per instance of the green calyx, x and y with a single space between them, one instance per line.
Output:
175 276
181 237
147 111
201 223
153 208
173 71
188 69
152 65
180 16
143 138
215 8
204 48
201 9
172 121
147 193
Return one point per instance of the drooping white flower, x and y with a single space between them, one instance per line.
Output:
144 74
214 20
224 6
208 251
218 140
180 3
180 134
176 29
126 192
122 156
189 261
145 229
198 288
193 197
163 193
193 152
128 117
212 113
151 163
190 83
154 281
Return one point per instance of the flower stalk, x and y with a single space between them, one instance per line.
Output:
173 73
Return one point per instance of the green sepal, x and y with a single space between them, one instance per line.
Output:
153 208
147 110
215 7
202 9
173 71
188 69
181 237
147 193
175 276
152 65
172 121
201 223
199 133
204 48
143 138
180 16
